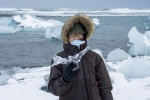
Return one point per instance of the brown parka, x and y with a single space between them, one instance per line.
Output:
92 70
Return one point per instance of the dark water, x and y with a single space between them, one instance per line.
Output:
32 49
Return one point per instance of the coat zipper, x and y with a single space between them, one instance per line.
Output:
84 83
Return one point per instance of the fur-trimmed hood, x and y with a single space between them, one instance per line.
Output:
81 18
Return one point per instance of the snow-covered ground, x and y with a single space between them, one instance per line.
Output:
26 84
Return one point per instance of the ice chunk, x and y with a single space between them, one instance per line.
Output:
141 43
117 55
75 58
96 21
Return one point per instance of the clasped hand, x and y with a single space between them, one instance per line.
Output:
69 72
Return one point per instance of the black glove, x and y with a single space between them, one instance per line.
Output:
69 73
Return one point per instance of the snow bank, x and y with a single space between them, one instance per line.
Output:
136 68
118 79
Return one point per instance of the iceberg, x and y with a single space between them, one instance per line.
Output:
51 27
140 43
54 31
7 25
31 23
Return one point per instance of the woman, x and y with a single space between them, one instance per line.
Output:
76 70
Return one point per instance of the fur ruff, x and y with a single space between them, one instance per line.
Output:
81 18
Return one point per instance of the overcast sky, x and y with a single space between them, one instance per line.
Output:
79 4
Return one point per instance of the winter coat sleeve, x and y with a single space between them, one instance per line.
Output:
56 85
104 83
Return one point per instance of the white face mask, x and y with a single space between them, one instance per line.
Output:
77 42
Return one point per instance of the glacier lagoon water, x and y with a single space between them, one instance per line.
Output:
32 49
